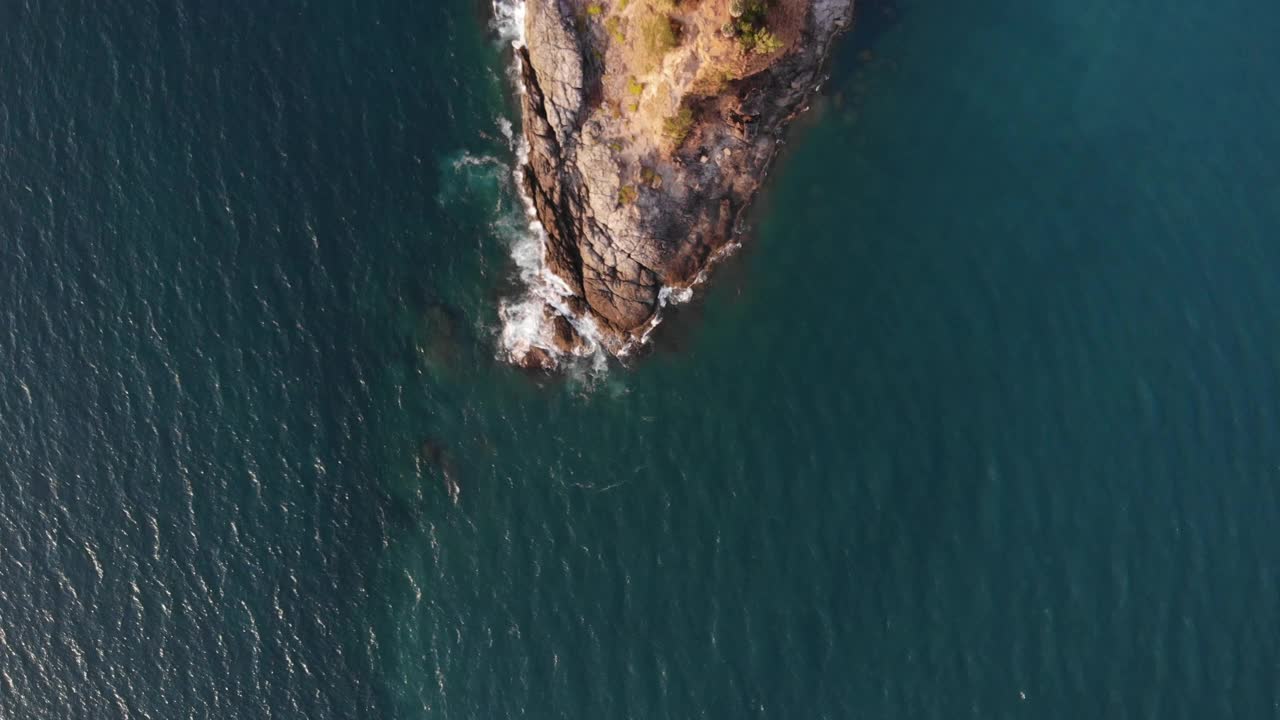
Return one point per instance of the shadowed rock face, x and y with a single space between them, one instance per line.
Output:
625 213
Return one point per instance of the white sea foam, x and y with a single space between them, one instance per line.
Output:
466 160
674 296
508 21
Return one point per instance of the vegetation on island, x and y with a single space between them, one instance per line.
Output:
644 32
659 35
650 177
613 26
677 127
749 25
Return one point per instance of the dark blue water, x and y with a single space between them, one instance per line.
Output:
984 420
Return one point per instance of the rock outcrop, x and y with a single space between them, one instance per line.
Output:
638 165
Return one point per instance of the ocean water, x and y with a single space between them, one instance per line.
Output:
982 421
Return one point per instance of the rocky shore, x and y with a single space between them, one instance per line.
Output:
650 125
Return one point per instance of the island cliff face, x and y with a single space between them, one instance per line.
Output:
650 124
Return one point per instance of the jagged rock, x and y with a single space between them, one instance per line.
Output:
565 339
536 358
614 238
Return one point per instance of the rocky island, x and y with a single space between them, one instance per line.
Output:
649 126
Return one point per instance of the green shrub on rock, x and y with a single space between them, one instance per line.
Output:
658 37
677 127
765 42
748 22
613 26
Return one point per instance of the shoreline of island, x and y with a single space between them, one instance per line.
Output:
648 127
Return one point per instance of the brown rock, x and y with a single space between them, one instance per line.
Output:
616 249
536 358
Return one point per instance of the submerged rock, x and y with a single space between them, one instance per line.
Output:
638 166
440 336
433 454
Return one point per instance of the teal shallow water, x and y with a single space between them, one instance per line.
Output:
982 422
